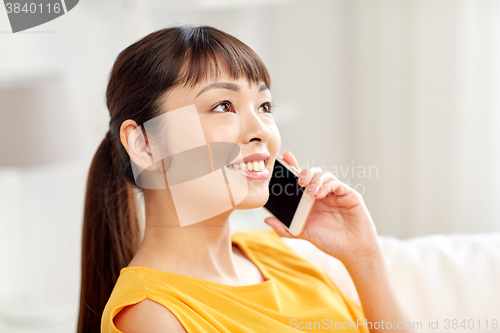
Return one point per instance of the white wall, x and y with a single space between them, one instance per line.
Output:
408 87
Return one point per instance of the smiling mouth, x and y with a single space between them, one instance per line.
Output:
249 166
254 163
259 173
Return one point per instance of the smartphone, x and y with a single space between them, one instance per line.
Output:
288 201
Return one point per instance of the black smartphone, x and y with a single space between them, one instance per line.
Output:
288 201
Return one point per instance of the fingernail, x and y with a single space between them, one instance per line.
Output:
312 188
303 179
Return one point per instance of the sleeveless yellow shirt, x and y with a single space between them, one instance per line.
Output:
295 296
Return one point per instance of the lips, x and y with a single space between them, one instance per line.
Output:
253 158
252 175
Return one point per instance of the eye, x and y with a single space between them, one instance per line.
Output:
222 107
267 107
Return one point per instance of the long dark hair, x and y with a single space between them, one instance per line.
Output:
141 73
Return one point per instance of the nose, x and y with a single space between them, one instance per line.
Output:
254 129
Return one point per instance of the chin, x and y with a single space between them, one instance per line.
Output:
254 199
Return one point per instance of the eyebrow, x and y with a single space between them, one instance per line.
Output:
227 85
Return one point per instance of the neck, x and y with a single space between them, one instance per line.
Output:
201 250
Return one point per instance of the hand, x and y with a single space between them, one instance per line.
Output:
339 223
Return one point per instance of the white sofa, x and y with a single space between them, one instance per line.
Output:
436 277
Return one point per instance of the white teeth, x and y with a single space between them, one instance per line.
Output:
250 166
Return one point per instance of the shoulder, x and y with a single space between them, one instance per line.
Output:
129 310
147 316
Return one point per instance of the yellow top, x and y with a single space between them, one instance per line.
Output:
295 296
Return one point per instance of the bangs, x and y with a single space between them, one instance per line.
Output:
207 53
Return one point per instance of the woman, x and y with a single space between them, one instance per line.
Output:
199 277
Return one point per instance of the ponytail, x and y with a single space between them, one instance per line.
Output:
110 232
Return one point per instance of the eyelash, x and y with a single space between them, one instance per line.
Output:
269 105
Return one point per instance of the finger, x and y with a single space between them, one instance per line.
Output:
335 187
290 159
317 182
307 175
278 227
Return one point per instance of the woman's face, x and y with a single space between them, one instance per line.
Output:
236 111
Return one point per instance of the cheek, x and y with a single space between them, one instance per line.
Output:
216 130
221 133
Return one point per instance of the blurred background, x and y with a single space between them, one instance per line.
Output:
400 99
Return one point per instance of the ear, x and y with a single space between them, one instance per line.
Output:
135 143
